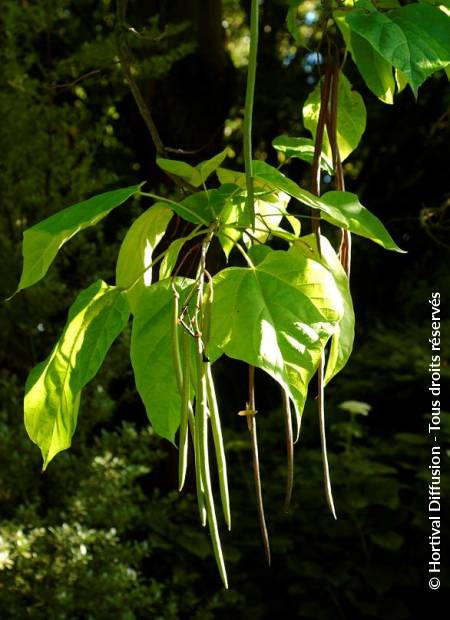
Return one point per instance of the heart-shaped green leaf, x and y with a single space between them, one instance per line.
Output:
277 316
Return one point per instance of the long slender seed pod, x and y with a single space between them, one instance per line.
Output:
207 311
323 438
175 341
316 168
323 120
201 428
192 424
185 403
198 477
289 449
182 376
213 407
257 478
346 238
219 447
251 422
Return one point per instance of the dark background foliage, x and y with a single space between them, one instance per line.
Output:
103 533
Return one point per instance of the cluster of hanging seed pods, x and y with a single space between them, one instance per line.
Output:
196 419
191 326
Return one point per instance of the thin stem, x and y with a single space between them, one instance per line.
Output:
126 60
252 238
191 250
82 77
248 113
289 448
251 422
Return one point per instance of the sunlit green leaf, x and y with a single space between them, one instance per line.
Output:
342 339
170 259
136 251
42 242
414 38
351 118
301 148
151 355
53 388
179 168
194 175
277 316
269 208
274 179
204 207
206 168
401 80
295 224
230 219
269 213
231 176
376 70
258 253
344 209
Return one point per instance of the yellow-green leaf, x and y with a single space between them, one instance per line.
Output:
277 316
351 118
53 388
151 355
42 242
136 251
342 339
194 175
